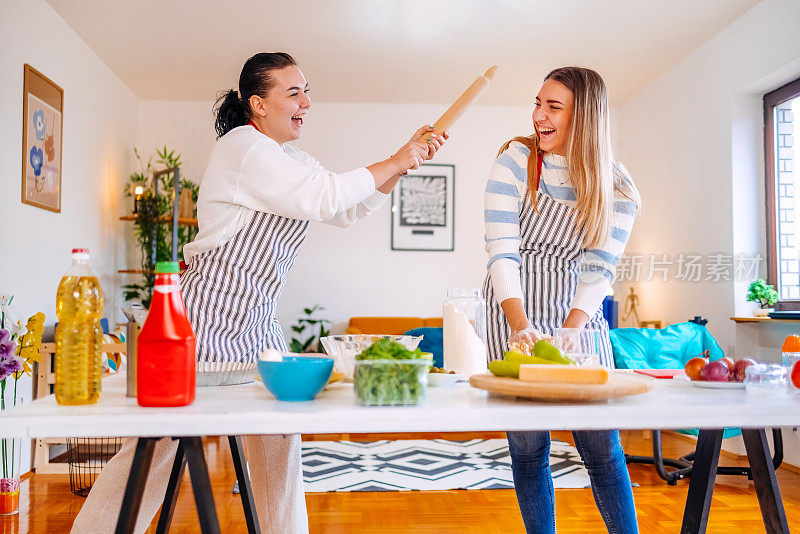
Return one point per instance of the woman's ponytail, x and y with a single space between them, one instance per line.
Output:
229 112
233 108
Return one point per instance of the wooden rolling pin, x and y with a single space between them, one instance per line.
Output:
464 101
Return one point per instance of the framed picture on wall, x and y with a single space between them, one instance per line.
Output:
423 209
42 107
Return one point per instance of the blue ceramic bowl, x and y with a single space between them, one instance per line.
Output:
296 378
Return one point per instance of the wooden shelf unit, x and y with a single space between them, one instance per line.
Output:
754 319
182 221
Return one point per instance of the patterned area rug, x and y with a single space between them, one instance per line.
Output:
426 465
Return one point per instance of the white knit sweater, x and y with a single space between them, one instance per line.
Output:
249 172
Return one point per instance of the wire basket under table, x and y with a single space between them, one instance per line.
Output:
86 458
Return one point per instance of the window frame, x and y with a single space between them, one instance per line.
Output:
771 100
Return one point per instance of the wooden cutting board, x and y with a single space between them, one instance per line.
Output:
618 385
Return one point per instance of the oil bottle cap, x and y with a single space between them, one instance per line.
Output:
167 267
80 254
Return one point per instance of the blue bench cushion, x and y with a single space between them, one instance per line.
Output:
431 342
662 348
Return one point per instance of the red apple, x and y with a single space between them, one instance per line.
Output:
739 367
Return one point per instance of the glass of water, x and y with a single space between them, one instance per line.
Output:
581 345
789 359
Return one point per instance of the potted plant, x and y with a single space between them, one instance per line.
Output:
312 326
759 291
150 210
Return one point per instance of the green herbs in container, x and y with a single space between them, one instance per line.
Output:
388 374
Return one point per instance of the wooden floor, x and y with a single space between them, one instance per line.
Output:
47 506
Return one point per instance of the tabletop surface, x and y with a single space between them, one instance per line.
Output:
250 409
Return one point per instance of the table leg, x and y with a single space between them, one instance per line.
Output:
763 470
245 490
132 500
201 485
701 483
173 487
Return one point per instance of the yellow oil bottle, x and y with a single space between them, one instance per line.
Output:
79 336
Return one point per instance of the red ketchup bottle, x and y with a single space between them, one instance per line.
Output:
166 348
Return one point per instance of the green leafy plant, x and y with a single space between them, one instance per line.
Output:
152 211
759 291
309 325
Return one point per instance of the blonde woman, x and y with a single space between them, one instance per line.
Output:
558 212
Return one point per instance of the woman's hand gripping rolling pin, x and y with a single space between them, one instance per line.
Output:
422 146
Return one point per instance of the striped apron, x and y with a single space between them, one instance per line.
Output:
551 250
231 291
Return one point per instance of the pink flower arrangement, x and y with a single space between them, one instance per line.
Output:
7 485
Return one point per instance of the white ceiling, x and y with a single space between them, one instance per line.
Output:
413 51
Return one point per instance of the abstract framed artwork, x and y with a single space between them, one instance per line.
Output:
42 128
423 209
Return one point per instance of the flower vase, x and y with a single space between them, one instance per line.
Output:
9 495
10 462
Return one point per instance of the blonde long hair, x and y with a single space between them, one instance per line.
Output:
589 156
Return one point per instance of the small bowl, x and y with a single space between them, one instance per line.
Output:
344 348
296 378
443 380
581 345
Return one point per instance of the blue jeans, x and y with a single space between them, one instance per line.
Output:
601 451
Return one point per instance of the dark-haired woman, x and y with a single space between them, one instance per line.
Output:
256 200
558 212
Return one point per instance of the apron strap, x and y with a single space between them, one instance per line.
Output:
538 170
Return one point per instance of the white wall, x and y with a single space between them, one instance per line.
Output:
99 128
354 271
693 140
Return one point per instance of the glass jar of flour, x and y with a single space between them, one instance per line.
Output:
464 332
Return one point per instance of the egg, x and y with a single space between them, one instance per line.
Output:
271 355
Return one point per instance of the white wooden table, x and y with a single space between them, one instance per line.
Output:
250 409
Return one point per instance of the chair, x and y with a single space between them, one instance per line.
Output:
671 348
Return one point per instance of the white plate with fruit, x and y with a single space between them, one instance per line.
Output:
717 385
724 373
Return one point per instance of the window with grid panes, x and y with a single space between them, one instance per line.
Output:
782 133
